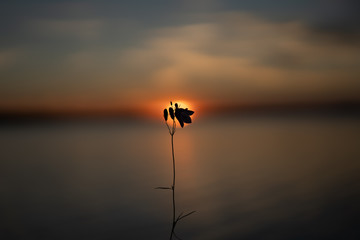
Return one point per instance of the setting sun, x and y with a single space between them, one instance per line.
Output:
153 108
183 104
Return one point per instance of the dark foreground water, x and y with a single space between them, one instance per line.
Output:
247 178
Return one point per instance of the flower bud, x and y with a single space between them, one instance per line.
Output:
171 110
165 114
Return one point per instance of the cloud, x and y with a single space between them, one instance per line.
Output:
9 57
81 29
222 57
237 56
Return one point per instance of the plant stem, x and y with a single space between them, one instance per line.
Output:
173 186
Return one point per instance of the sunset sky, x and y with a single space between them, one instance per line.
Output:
126 55
272 151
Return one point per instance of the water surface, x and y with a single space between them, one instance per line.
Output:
254 177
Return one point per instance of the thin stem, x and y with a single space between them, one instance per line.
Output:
173 185
168 126
173 155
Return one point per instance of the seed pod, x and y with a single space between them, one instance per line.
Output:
171 110
165 114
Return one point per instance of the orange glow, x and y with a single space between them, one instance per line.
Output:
183 104
155 108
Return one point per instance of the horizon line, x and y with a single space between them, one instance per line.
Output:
351 107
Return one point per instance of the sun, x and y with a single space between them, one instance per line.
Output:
154 108
182 104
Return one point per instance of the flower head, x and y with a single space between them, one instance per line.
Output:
183 115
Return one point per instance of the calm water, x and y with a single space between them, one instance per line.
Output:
247 178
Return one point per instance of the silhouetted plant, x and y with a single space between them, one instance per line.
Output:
183 116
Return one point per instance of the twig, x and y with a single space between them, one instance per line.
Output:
181 217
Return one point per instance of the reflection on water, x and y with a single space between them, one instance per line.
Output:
247 178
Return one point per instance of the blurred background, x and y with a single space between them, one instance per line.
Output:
273 150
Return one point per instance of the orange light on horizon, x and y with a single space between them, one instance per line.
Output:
155 108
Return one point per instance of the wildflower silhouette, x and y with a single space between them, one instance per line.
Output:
183 116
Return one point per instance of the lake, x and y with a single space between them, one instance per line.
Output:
247 177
